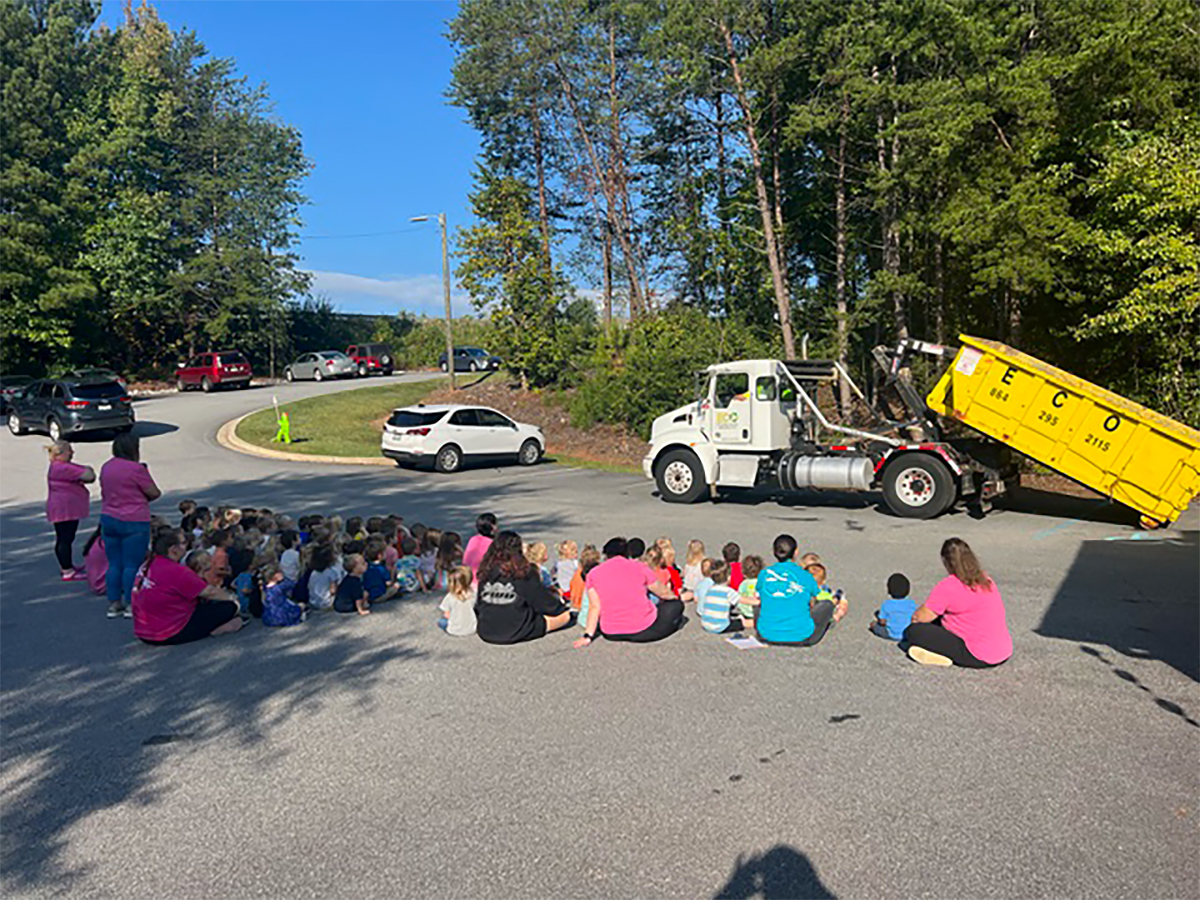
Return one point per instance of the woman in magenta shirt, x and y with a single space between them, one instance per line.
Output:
619 605
126 490
174 605
963 622
67 503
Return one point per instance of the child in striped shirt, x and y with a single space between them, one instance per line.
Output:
716 604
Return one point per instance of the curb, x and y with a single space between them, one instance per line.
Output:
227 438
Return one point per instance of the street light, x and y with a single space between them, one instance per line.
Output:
441 217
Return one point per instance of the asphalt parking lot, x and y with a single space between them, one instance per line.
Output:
380 758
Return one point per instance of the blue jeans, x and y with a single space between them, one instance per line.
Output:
125 545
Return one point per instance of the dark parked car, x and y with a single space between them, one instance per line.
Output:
10 386
471 359
372 358
214 370
63 407
96 373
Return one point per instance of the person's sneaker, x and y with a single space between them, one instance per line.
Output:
928 657
115 610
75 575
127 612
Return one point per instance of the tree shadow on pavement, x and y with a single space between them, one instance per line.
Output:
90 714
1139 597
782 873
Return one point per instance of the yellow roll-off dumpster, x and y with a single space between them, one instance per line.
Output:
1114 446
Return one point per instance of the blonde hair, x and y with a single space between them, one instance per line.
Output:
961 562
817 571
653 557
351 562
695 552
568 549
810 559
459 580
199 561
55 449
536 553
706 566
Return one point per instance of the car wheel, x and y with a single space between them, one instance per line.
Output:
680 477
363 371
54 429
179 385
472 367
318 375
917 486
242 385
14 423
206 385
444 367
531 452
385 361
448 459
288 376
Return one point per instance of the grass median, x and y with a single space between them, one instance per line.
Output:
341 424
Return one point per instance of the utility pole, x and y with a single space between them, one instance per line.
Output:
446 289
441 217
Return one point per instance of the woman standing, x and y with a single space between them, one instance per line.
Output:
513 604
174 605
963 622
67 503
126 490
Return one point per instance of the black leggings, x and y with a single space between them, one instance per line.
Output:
64 539
822 616
206 618
668 621
936 637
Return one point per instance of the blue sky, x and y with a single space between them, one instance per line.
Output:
365 83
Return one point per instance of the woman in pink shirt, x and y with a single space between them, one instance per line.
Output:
963 622
619 605
126 490
67 503
174 605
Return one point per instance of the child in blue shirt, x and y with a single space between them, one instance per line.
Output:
717 603
409 579
897 610
278 608
378 585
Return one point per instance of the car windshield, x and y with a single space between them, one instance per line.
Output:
413 418
232 359
104 390
333 354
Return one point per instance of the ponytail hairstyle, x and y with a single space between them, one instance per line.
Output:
450 551
429 540
961 562
164 541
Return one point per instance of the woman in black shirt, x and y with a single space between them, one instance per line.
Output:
512 603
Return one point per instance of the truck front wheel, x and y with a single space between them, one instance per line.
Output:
916 486
680 477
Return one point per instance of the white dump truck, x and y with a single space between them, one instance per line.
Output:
758 422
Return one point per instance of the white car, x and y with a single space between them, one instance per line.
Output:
445 436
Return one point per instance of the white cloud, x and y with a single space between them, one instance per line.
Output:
416 294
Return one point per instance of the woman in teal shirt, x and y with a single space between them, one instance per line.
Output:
787 613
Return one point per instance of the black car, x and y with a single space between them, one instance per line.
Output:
471 359
10 386
63 407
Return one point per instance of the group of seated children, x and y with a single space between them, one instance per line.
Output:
281 570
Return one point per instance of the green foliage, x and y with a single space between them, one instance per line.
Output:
646 368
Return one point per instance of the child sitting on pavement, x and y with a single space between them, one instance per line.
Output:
716 605
458 606
408 568
691 565
278 609
732 554
351 595
748 590
566 566
378 585
589 558
897 610
537 554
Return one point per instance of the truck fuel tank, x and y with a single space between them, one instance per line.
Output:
837 473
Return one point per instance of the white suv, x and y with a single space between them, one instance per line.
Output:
446 435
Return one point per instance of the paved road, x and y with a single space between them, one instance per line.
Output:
379 758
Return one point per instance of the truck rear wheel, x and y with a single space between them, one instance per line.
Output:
916 486
680 477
